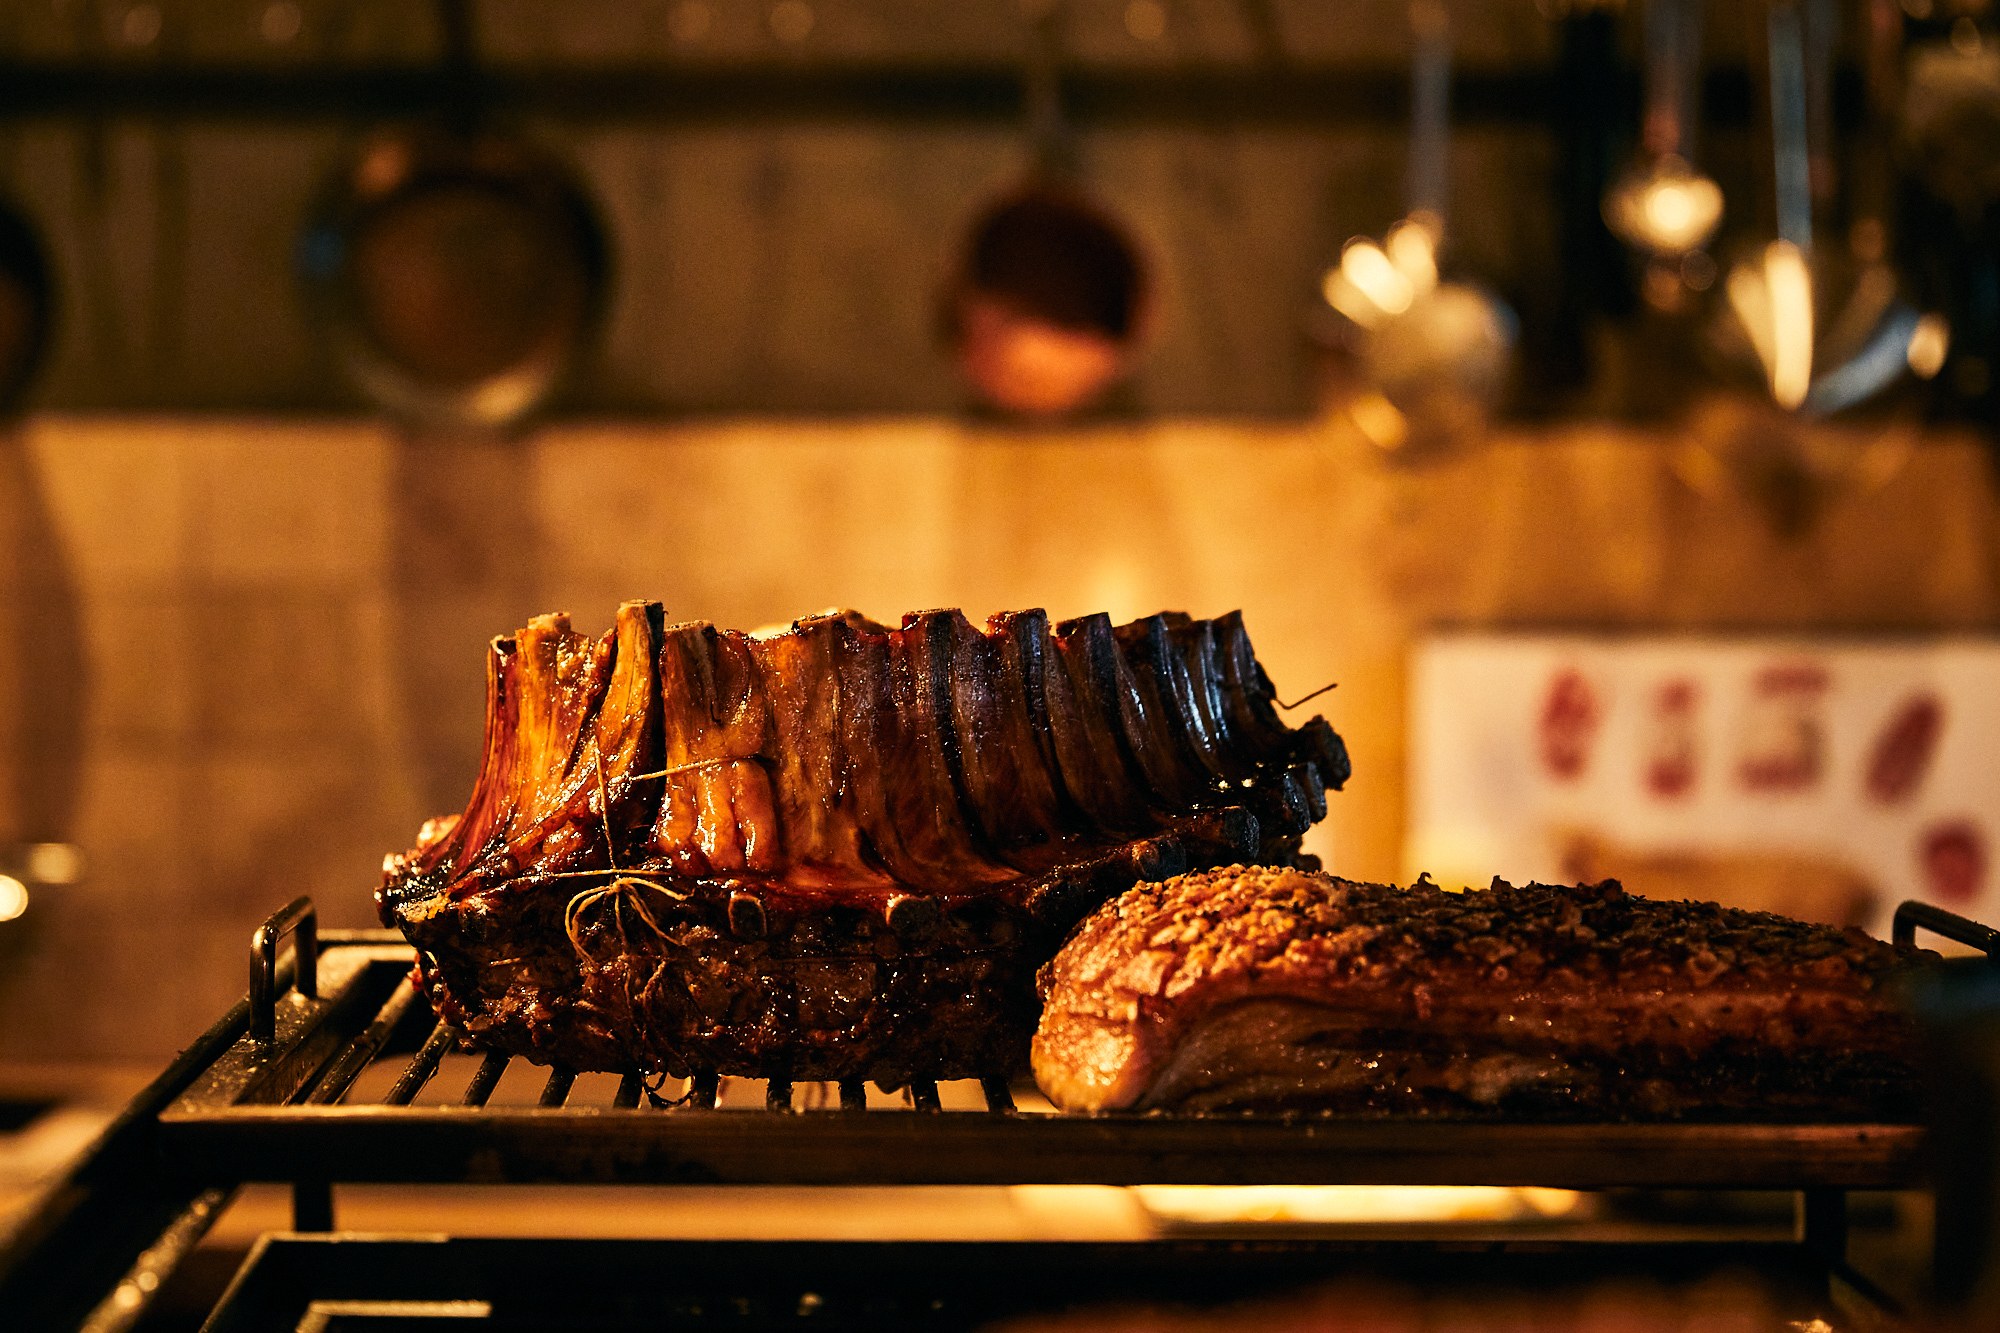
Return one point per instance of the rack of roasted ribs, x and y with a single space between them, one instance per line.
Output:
837 852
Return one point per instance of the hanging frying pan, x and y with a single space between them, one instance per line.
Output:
1047 305
26 304
456 273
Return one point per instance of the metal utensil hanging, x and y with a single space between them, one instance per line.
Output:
27 301
456 268
1436 354
1828 331
1662 205
1049 301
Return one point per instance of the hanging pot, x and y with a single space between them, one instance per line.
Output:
1047 308
1047 305
26 305
457 275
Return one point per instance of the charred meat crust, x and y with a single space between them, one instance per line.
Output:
835 852
1547 1000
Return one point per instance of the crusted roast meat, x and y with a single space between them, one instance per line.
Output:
836 852
1261 988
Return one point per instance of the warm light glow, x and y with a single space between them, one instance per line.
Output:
1683 213
1789 285
1929 342
1413 251
54 863
1354 1203
1370 273
1667 209
1348 299
13 897
1380 420
1774 302
1032 367
1752 304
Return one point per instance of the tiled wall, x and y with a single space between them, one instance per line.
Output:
244 656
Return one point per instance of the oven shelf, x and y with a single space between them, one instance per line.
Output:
386 1144
276 1111
290 1281
309 1080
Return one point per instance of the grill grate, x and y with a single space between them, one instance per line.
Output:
309 1080
562 1088
334 1095
957 1287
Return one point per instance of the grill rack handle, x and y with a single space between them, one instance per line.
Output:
299 919
1911 914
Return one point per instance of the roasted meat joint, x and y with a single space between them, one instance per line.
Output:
1258 988
836 852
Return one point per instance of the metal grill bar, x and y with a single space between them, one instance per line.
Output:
422 1066
556 1091
364 1048
298 919
488 1078
1951 925
236 1118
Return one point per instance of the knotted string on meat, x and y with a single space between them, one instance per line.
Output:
838 852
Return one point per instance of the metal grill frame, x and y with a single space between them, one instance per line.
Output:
273 1110
915 1286
260 1098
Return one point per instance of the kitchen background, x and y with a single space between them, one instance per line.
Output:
249 607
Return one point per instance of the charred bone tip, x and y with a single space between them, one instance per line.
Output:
1320 743
1314 787
1158 858
1232 830
910 914
747 920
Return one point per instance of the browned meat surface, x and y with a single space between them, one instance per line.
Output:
1249 987
835 852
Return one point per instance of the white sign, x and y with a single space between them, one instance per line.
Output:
1828 779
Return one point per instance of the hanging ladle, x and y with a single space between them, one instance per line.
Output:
1046 308
1435 354
1661 205
1873 336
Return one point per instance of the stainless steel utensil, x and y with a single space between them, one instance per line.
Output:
1661 205
1829 331
1435 354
